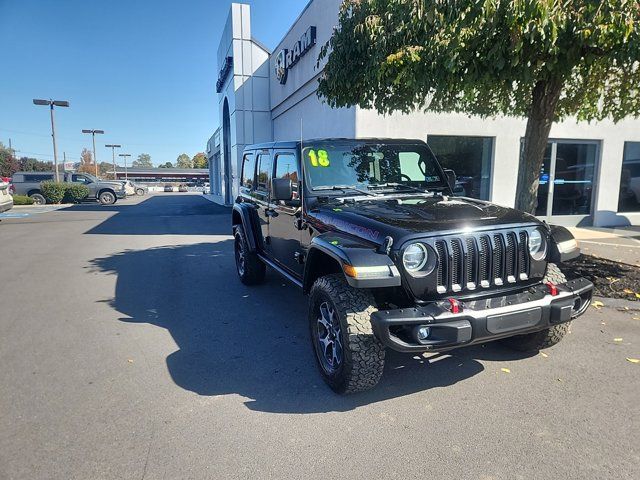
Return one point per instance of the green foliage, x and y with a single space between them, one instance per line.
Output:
28 164
75 193
143 161
183 161
22 200
200 160
8 163
166 165
486 57
53 191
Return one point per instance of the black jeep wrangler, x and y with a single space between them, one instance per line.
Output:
370 230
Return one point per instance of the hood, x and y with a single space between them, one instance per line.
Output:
375 219
113 183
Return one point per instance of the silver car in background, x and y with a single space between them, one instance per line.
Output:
6 200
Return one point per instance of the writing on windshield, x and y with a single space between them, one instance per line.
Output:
363 165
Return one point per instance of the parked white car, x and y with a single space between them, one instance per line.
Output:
6 200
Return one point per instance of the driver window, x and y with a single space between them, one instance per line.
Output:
80 179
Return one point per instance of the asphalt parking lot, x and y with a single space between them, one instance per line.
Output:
130 350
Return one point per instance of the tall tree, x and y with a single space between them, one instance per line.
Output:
544 60
166 165
184 161
86 162
200 160
143 161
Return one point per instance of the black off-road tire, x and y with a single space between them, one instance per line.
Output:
363 354
140 192
252 270
532 342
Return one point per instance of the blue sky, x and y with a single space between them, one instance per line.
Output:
143 71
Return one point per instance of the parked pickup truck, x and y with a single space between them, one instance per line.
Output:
105 191
390 259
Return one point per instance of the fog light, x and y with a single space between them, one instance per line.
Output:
423 333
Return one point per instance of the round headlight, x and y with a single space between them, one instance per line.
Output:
537 245
415 257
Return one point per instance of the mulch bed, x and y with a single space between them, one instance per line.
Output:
610 279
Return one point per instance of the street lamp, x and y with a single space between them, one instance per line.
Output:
113 156
93 136
125 155
51 103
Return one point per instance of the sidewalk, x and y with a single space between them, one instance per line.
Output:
617 244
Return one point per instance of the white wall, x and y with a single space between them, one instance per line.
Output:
296 100
246 89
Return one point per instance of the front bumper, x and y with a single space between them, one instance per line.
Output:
6 206
481 321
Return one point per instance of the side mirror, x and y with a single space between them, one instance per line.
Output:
451 178
281 189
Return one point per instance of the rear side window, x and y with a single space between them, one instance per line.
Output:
264 171
37 178
248 171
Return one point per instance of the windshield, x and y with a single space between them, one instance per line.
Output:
363 165
91 177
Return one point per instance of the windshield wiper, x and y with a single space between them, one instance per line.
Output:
344 188
401 185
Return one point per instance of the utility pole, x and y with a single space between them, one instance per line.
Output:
51 104
125 155
93 137
113 157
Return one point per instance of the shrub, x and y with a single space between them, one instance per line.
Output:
75 193
22 200
53 191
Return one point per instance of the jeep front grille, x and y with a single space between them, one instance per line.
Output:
481 261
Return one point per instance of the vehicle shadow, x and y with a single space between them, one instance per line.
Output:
159 215
253 341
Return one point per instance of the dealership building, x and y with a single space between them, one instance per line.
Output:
591 173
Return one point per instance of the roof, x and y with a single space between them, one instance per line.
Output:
295 144
165 171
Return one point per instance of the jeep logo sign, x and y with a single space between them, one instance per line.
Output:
288 58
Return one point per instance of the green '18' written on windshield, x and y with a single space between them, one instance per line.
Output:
319 158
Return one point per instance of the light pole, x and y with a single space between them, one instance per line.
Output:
51 104
113 156
125 155
93 136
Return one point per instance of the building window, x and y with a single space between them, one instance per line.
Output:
470 158
569 168
629 199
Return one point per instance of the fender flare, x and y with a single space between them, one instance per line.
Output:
563 245
372 268
248 219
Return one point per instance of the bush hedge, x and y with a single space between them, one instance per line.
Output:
75 193
62 192
22 200
53 191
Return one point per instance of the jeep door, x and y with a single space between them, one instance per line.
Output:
284 236
262 192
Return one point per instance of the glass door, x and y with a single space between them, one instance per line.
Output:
567 179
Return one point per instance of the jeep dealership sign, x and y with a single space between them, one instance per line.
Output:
288 58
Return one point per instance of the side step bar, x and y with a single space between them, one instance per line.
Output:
281 271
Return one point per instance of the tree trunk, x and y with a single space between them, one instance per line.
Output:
544 100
